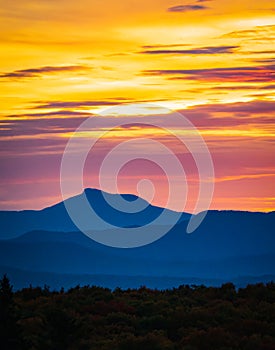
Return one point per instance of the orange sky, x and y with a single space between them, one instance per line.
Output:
64 60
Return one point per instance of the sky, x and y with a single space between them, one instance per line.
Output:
63 61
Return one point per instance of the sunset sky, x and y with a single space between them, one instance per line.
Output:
65 60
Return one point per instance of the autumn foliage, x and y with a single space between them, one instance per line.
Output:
184 318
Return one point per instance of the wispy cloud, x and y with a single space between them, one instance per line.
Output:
245 114
265 60
208 116
186 8
243 177
241 87
78 104
157 46
46 115
230 74
265 32
36 72
268 87
208 50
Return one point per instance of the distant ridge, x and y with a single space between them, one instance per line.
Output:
22 279
227 246
55 218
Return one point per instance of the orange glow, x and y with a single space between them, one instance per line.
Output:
63 61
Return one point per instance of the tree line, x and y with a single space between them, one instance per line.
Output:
96 318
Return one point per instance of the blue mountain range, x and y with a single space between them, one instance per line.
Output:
45 247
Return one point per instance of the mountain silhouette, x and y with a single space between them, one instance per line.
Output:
228 245
56 218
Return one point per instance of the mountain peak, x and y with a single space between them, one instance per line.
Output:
96 192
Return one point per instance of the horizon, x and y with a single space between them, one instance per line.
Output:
131 194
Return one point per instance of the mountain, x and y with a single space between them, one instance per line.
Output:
222 234
23 278
56 218
228 246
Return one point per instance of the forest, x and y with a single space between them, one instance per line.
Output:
184 318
